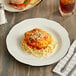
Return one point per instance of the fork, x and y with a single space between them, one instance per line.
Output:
64 68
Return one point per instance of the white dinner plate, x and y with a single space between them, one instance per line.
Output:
12 9
55 29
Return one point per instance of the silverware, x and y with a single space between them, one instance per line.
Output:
64 68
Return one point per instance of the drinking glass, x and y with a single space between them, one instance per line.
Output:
66 7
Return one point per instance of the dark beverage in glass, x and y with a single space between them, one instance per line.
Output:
66 7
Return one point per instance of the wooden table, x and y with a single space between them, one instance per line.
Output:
46 9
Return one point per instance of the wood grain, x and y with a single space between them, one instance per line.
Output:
46 9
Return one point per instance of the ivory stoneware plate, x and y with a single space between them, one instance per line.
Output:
58 32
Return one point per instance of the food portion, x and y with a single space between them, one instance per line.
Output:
38 42
21 4
17 1
32 2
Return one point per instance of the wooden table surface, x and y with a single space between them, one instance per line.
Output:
46 9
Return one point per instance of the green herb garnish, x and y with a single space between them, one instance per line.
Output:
26 1
30 39
30 34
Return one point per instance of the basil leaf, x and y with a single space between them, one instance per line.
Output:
26 1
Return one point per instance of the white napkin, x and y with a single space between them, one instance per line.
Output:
70 67
2 16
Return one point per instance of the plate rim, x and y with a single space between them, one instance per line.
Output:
29 63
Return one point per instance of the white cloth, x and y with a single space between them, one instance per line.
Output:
2 17
71 65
